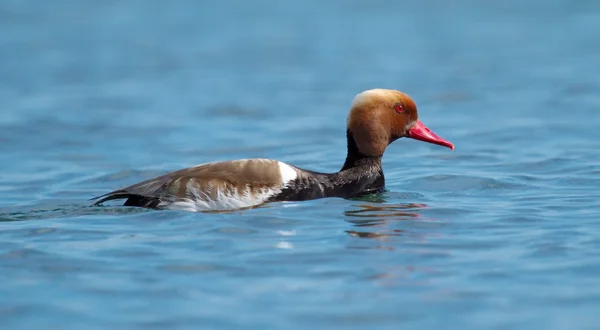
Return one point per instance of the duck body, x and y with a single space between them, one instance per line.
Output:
245 183
377 118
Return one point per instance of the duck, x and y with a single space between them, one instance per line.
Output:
377 118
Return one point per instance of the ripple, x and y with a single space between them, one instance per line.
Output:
40 212
458 182
195 268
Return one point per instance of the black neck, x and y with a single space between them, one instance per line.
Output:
355 158
361 174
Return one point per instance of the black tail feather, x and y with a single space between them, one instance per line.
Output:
142 201
119 194
132 199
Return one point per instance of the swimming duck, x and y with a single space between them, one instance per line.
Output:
377 118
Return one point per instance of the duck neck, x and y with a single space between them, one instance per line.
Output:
355 158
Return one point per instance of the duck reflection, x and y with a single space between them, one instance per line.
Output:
380 217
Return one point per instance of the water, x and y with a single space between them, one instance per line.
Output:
503 233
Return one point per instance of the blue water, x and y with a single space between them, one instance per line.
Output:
503 233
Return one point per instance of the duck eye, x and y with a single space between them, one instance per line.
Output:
399 108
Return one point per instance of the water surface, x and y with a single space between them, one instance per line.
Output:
502 233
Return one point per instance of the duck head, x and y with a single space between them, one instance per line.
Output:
378 117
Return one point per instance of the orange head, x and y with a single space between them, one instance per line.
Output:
380 116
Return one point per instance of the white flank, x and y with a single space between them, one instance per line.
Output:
226 200
229 199
288 173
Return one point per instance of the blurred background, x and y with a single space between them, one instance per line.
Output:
500 234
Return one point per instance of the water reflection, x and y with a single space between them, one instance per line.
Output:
381 217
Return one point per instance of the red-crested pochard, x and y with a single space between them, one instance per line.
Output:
377 118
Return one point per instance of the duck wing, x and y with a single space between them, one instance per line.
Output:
211 186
